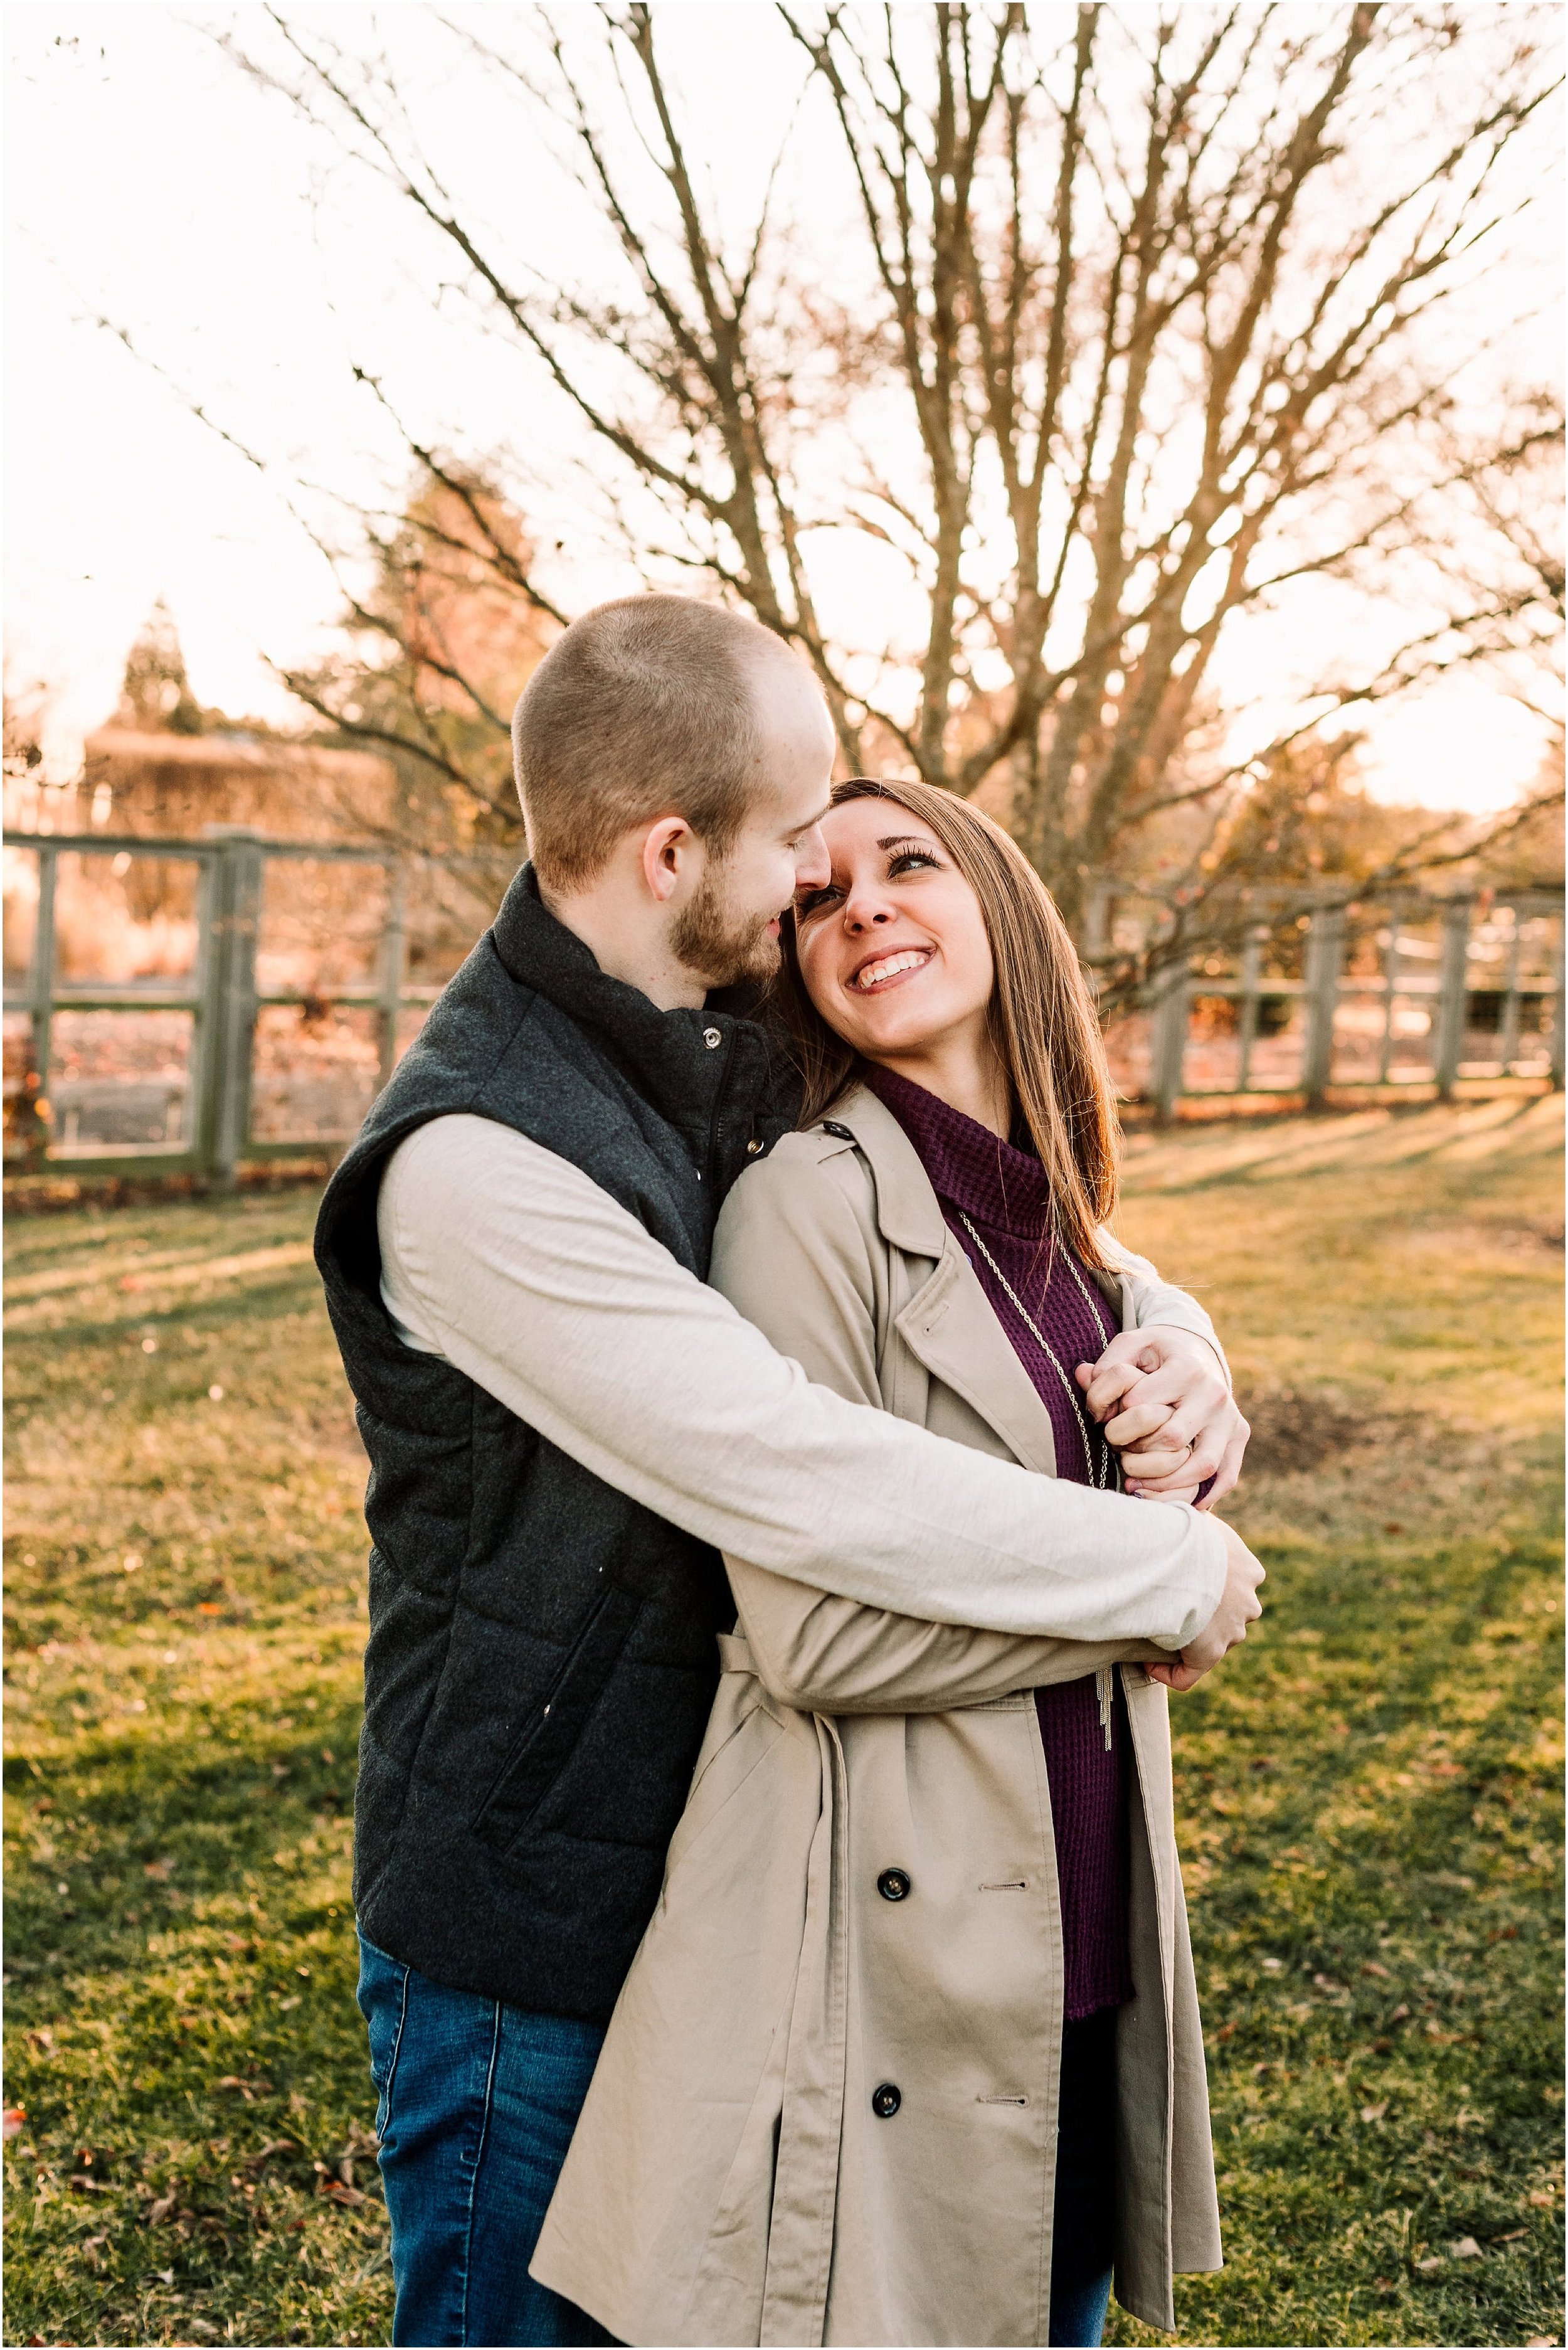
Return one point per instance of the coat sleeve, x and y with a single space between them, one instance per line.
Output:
793 1254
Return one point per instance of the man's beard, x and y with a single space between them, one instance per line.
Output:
723 948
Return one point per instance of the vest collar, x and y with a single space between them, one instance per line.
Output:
671 1058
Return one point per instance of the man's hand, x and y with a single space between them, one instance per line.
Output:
1161 1398
1239 1607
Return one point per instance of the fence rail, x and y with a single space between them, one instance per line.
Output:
189 1005
1417 990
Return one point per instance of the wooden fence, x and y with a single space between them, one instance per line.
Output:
187 1006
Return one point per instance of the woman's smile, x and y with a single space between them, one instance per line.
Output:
883 970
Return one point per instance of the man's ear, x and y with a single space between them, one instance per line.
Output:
665 845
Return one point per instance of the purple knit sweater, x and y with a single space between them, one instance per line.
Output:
1003 1193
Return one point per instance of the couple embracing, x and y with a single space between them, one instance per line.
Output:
789 1513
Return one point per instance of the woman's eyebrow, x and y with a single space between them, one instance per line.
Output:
906 840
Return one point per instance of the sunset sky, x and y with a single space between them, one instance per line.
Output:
150 183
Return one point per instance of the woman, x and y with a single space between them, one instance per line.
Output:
911 2052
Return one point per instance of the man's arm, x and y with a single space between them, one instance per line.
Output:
516 1267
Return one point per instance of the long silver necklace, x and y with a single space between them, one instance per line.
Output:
1104 1685
1099 1474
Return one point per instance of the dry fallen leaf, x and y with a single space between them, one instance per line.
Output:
1465 2248
161 2210
1429 2266
1375 2113
248 2089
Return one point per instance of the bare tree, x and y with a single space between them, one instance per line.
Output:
1129 332
442 624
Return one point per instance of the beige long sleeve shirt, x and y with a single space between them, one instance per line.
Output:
511 1263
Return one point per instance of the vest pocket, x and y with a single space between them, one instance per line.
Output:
544 1745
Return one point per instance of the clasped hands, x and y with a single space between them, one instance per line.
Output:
1164 1403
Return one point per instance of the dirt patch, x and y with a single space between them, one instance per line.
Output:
1293 1429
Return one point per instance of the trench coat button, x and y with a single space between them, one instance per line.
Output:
893 1885
712 1036
752 1147
885 2101
839 1133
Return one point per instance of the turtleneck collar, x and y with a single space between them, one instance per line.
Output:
991 1181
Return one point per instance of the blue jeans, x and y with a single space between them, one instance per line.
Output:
476 2103
1082 2223
1078 2306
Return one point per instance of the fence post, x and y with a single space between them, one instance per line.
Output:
1453 973
1557 1005
393 956
236 916
1167 1039
1247 1008
1096 921
43 1006
1326 946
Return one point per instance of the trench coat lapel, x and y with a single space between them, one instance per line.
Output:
947 1325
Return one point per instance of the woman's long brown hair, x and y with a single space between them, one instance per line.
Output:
1043 1022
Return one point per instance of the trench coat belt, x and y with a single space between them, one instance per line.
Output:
811 2123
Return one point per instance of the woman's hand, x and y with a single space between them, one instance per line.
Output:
1161 1398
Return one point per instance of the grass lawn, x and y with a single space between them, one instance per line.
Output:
1369 1793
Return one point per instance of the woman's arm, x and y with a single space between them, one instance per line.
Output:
823 1655
790 1253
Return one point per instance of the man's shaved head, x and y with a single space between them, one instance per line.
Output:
645 707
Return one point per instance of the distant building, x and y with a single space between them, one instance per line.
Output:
177 784
163 765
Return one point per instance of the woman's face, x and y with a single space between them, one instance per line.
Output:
893 950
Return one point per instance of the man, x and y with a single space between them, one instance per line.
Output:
565 1426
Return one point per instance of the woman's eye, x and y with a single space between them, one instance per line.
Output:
911 860
812 901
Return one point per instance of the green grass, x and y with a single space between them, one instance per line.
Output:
1368 1792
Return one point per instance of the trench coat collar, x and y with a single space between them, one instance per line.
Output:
947 1325
909 1214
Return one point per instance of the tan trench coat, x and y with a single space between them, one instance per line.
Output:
730 2181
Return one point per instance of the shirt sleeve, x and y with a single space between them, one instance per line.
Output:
518 1268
